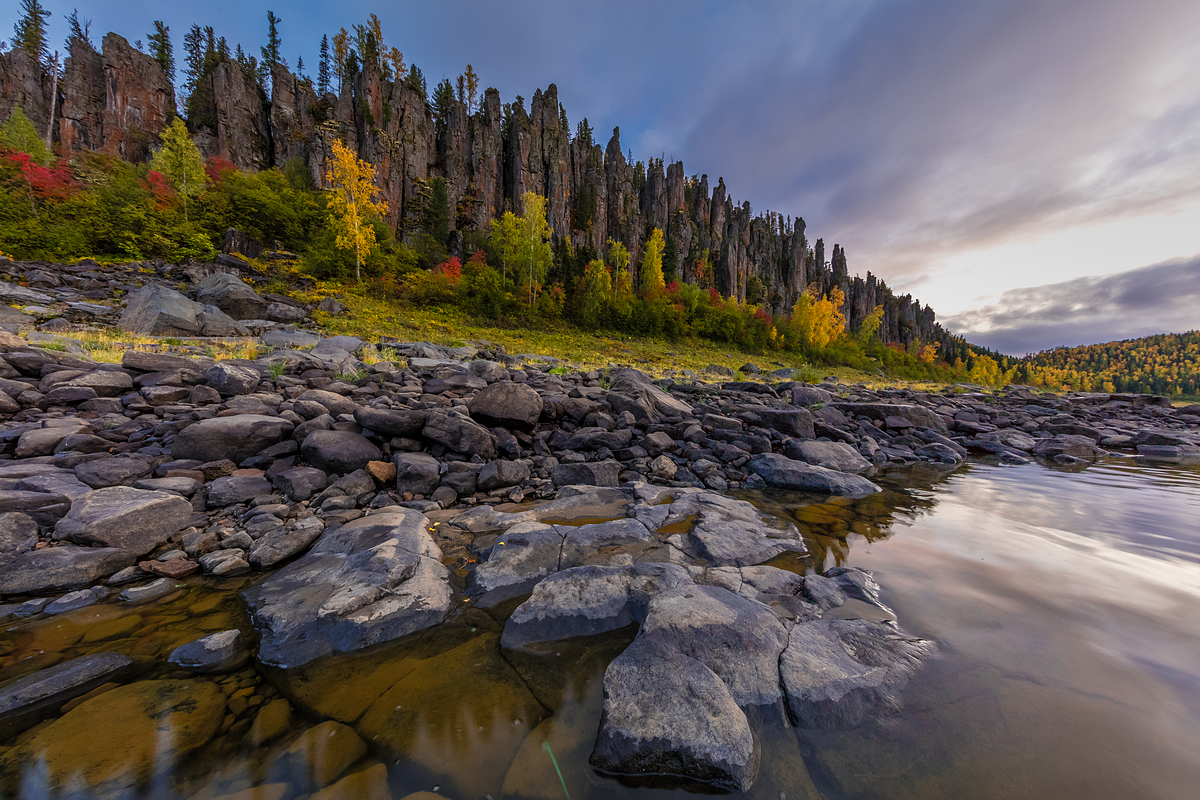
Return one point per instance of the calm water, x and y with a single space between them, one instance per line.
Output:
1066 604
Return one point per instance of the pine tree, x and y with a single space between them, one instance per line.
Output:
79 31
161 48
300 67
443 99
341 50
472 88
270 53
29 33
193 59
323 66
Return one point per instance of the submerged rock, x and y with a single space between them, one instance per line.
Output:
28 700
372 580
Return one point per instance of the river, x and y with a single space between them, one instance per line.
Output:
1063 601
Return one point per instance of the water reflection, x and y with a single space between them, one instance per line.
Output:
1063 603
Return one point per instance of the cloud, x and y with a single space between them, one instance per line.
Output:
1155 299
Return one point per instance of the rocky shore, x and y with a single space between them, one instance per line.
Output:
376 500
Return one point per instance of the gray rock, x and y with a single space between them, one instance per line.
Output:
375 579
28 700
781 472
522 556
667 714
119 471
42 441
917 416
300 483
237 437
71 601
155 310
592 473
594 438
134 520
664 468
44 508
150 591
510 405
407 423
658 443
230 294
726 532
104 382
1076 446
839 672
616 542
283 543
796 422
335 404
809 396
459 434
57 568
635 392
18 534
583 601
218 652
499 474
236 489
338 452
232 379
331 306
830 455
144 361
416 472
215 322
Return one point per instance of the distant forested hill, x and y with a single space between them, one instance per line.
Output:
1167 363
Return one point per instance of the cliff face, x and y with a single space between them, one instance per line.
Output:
120 100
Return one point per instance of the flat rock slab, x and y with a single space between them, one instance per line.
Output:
781 472
57 568
135 520
236 438
223 651
372 580
26 701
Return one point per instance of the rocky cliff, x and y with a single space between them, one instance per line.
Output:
119 100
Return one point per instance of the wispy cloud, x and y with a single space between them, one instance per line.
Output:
1156 299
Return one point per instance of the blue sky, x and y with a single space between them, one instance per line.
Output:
959 150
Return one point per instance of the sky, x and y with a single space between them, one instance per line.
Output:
1029 168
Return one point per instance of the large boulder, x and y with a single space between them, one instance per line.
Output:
830 455
231 294
590 473
781 472
501 474
28 700
223 651
459 434
155 310
418 473
338 452
727 532
54 569
510 405
404 422
372 580
119 471
635 392
236 489
236 438
135 520
45 508
333 403
232 379
145 361
18 534
104 382
796 422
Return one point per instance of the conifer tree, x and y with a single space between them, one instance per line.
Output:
29 33
323 66
472 88
78 31
443 99
270 53
300 67
161 48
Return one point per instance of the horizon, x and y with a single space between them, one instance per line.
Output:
916 134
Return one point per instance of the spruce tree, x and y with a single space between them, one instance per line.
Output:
79 31
30 31
193 59
270 53
323 66
161 48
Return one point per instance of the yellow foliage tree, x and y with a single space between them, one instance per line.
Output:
819 321
353 204
651 273
870 325
929 352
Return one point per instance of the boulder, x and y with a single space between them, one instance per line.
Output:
218 652
237 437
726 532
459 434
507 404
635 392
522 556
104 382
45 508
18 534
232 379
839 672
119 471
797 422
591 473
134 520
407 423
236 489
318 757
830 455
26 701
144 361
917 416
333 403
300 483
668 714
42 441
338 452
232 295
416 472
57 568
500 474
781 472
283 543
155 310
372 580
